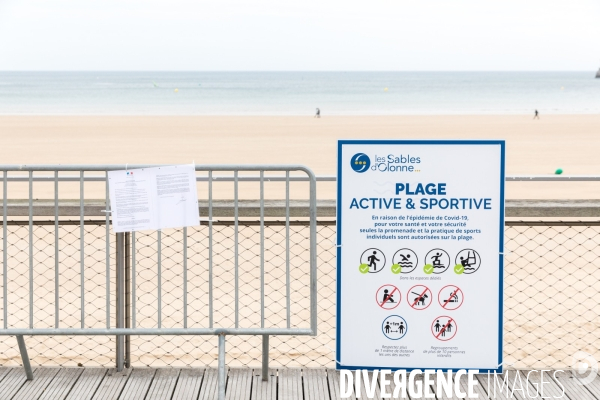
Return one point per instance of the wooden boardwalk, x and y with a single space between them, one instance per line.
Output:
243 383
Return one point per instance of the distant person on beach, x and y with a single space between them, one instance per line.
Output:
318 113
536 116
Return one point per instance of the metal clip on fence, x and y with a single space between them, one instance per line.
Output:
124 314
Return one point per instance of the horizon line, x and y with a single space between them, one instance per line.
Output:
287 71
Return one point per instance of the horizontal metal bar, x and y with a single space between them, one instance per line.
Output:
322 178
155 331
215 222
552 223
553 209
330 222
198 179
553 178
118 167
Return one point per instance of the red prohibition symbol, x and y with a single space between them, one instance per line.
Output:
388 297
444 328
419 297
451 297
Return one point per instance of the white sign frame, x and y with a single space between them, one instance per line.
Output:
362 146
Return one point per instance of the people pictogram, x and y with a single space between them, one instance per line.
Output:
394 327
445 330
372 258
436 260
406 259
388 297
469 259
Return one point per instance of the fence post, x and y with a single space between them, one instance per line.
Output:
25 357
127 298
265 358
222 375
120 254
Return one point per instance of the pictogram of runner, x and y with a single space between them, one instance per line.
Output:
452 302
385 299
421 297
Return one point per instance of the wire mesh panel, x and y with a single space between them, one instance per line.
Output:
64 309
225 277
59 271
551 296
552 293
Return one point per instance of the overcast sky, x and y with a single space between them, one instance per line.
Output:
218 35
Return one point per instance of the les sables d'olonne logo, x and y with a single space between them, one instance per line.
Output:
360 162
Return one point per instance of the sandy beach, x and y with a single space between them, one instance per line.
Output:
569 142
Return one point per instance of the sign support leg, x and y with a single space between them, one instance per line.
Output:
25 357
265 358
120 297
127 298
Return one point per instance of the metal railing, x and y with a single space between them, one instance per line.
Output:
552 283
119 300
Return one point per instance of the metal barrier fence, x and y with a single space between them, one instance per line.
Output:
552 286
58 277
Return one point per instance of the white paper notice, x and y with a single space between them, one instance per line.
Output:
153 198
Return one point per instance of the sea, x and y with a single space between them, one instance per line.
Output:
298 93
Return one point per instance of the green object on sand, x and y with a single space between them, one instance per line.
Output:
558 171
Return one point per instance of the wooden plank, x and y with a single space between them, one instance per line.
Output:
440 394
363 387
62 383
264 390
477 388
112 385
188 385
84 384
573 389
239 384
333 378
392 387
495 383
163 384
550 388
210 385
315 384
87 384
3 372
12 382
32 390
138 384
290 384
594 387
